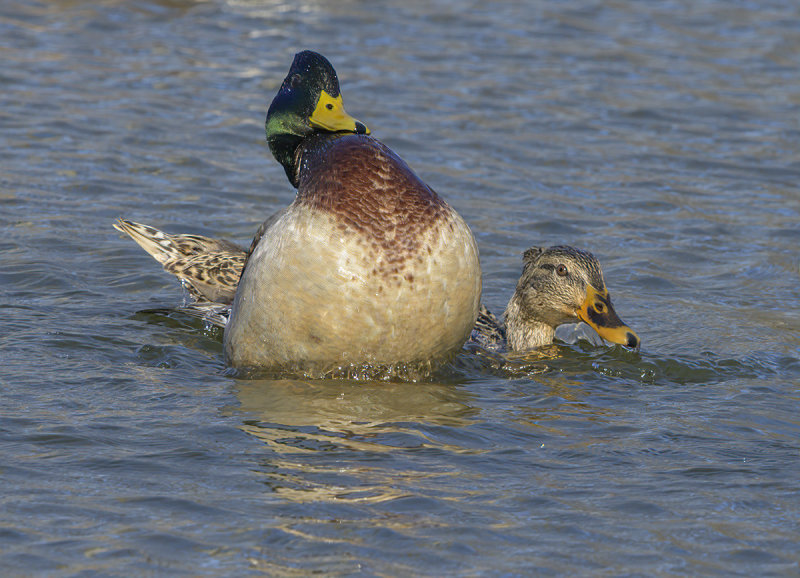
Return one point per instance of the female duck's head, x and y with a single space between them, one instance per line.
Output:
559 285
308 102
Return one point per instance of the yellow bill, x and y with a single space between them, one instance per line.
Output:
330 115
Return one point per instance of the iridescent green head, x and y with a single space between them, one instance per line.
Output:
308 102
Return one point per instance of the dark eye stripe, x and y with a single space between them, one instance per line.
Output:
605 319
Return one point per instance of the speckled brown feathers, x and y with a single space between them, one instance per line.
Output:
489 332
370 190
208 268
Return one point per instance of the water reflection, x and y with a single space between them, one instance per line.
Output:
316 428
354 408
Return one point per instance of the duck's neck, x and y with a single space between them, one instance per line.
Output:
285 149
525 332
308 154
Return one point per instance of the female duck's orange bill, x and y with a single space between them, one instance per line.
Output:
597 312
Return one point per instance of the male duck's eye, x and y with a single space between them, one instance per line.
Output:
561 270
329 106
294 80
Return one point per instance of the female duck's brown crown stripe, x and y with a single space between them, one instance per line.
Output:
584 258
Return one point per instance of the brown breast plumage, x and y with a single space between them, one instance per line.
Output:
371 190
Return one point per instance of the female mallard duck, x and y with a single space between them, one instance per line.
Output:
558 285
368 265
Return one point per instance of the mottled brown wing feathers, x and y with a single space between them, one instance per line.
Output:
489 332
209 276
208 268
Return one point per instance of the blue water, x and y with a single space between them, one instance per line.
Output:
661 137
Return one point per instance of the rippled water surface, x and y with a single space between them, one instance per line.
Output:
661 136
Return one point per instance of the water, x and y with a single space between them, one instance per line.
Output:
664 138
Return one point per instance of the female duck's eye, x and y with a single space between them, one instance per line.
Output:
561 270
329 106
599 307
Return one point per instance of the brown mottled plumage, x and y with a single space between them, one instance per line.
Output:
369 189
489 332
208 268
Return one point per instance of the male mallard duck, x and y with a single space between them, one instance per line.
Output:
368 265
558 285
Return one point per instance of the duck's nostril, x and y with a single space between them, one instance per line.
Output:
633 341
